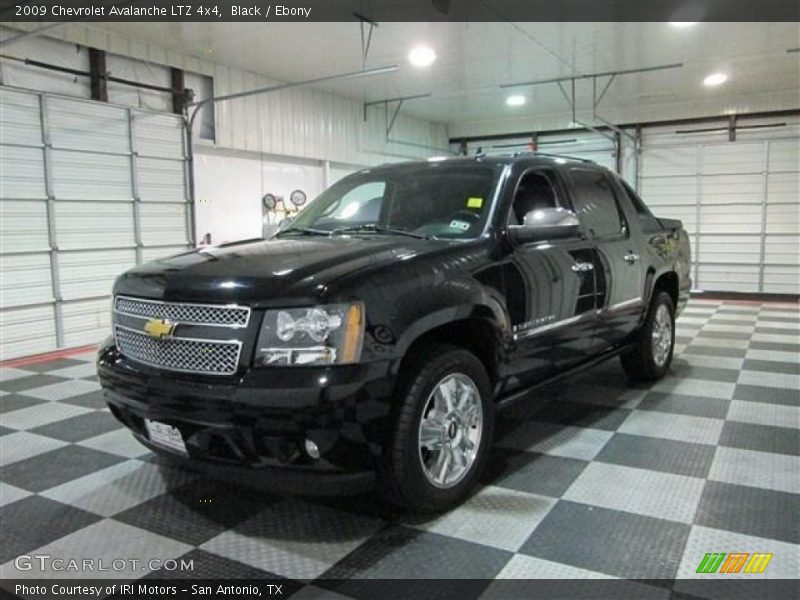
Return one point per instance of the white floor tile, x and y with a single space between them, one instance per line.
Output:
684 428
639 491
767 470
494 516
22 444
107 540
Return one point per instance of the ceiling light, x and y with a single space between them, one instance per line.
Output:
715 79
515 100
683 24
422 56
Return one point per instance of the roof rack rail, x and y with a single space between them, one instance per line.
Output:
545 154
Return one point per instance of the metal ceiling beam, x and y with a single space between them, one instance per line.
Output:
285 86
33 33
591 75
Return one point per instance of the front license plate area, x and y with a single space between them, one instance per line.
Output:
165 436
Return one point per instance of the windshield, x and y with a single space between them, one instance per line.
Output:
426 200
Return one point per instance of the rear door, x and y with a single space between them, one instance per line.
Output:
550 288
619 276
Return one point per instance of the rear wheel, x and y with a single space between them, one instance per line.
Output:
651 356
443 431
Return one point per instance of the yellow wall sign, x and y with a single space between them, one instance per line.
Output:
474 202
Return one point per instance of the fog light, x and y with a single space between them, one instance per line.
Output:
312 450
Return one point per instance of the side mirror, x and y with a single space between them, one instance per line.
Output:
545 224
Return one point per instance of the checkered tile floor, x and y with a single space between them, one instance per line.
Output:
596 479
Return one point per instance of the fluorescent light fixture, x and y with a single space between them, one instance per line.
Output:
715 79
683 24
422 56
515 100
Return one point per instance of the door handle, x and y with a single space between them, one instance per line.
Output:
582 267
631 257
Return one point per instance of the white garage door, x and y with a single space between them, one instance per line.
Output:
739 200
87 190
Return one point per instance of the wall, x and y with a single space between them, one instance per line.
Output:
301 123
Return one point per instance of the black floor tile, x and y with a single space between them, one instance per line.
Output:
398 552
609 541
90 400
767 395
53 468
211 566
30 382
697 347
766 316
13 402
52 365
34 521
680 404
774 346
771 366
763 438
722 335
583 415
196 512
656 454
80 427
683 369
532 472
749 510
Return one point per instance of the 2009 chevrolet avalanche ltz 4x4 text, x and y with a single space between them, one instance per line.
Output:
373 338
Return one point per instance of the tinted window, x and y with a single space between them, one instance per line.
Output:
638 205
596 204
533 193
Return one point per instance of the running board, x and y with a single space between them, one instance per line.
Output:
519 395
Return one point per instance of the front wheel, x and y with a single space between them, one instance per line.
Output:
443 432
651 355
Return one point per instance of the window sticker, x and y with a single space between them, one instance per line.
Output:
474 202
456 224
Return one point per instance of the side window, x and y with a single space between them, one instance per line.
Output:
596 204
646 219
534 191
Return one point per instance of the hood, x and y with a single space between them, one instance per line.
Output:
256 271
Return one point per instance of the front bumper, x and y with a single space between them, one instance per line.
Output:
260 420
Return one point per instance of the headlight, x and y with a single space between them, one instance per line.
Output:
311 336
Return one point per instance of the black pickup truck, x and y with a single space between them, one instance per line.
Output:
371 341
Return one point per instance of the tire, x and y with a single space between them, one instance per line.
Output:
651 355
409 473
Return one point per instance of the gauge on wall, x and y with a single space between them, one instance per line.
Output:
298 198
270 201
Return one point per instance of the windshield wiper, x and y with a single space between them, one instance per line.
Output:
373 228
304 230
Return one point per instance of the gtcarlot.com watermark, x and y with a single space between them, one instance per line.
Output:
48 563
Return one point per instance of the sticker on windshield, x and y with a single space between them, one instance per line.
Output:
474 202
456 224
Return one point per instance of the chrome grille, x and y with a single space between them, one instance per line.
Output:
182 312
179 354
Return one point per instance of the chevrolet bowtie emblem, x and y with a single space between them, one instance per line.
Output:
159 328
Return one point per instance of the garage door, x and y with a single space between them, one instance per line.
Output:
87 190
739 201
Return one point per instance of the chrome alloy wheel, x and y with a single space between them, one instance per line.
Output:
662 335
450 430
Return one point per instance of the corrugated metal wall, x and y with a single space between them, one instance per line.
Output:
739 200
87 190
300 122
